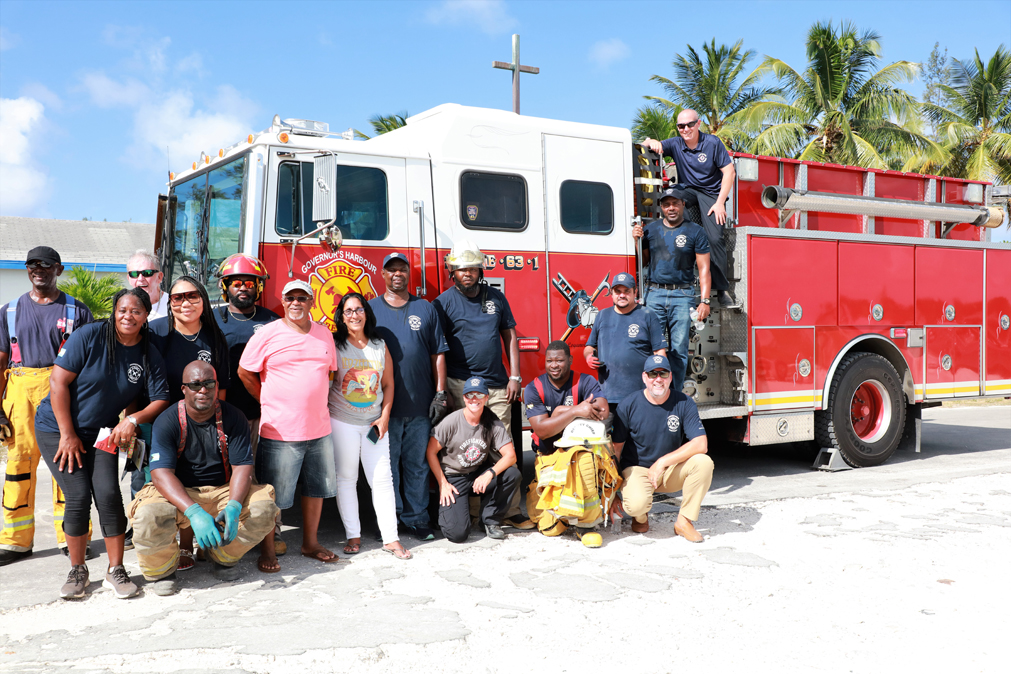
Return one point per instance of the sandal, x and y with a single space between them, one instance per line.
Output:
185 560
321 554
353 548
400 553
267 567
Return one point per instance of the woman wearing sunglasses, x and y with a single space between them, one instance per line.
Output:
471 452
360 401
103 368
189 333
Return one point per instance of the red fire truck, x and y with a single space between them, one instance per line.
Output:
864 295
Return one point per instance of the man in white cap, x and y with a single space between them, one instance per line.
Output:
286 367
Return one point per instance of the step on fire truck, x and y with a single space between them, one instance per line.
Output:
864 295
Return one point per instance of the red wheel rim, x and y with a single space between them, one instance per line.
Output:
870 411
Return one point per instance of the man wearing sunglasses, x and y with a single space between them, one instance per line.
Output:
144 271
708 171
201 472
661 447
33 329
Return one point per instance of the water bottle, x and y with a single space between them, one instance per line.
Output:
699 325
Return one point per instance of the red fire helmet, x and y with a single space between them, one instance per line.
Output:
240 264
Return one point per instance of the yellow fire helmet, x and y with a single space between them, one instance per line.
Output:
464 255
583 432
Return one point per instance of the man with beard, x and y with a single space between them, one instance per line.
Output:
201 472
33 329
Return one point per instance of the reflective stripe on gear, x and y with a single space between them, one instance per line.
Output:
573 486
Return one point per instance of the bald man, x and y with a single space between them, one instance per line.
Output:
201 472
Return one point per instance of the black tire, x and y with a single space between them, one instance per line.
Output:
866 440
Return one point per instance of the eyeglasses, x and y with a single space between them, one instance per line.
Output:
474 395
658 374
208 384
146 273
36 264
192 296
687 125
304 299
239 283
351 312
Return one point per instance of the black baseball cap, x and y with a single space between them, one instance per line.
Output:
679 191
43 254
395 256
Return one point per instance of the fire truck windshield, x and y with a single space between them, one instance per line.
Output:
208 218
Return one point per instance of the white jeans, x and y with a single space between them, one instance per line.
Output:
350 445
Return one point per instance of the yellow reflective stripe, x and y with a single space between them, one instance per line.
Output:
173 561
219 555
18 523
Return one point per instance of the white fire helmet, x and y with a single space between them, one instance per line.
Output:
584 432
464 255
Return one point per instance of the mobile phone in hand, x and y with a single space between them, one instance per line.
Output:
373 435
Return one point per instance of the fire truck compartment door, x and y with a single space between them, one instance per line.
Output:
997 325
783 368
952 362
587 229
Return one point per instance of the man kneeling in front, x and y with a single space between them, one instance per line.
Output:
201 469
661 447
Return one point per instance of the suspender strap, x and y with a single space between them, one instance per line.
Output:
15 356
222 440
540 391
69 325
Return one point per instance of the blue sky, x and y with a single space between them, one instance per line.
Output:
94 92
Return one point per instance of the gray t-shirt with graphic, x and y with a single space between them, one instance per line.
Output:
463 449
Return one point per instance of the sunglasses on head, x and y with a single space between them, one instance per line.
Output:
194 386
658 374
191 296
146 273
687 125
35 264
239 283
474 395
296 298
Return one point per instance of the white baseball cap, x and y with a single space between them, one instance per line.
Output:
297 284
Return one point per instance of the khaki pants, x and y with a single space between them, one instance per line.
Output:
26 388
692 478
156 521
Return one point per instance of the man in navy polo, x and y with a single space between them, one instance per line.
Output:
661 446
410 327
672 247
621 337
706 168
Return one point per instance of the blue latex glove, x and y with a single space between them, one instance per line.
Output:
230 516
204 528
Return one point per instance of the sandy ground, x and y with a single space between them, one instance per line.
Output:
862 579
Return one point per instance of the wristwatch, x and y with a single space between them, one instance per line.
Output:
519 379
706 300
132 420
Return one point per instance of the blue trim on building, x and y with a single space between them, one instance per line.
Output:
20 264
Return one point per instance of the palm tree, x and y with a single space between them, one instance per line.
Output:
91 290
655 120
975 124
713 83
384 124
841 109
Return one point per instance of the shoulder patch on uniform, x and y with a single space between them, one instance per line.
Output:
155 456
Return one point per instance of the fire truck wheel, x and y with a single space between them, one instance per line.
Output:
866 411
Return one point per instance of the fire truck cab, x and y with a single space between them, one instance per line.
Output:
863 294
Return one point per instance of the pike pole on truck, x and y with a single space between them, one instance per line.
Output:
864 295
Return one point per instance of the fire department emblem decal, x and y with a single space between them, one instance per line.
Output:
204 355
134 373
414 322
472 213
673 423
568 401
475 382
702 157
334 277
681 240
633 330
489 307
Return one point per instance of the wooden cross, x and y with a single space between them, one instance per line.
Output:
517 69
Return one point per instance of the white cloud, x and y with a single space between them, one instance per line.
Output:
490 16
23 187
8 40
106 92
605 52
42 94
149 52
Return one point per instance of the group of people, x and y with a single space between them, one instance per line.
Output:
225 411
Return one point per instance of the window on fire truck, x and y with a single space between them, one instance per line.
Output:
493 201
362 204
586 208
224 215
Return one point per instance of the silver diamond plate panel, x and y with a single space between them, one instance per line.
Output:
734 322
770 429
720 411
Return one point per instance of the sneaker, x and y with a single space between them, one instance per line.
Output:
494 531
163 587
225 573
519 522
422 532
128 541
9 556
119 580
77 580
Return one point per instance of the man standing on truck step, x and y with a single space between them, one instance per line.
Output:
476 319
410 327
621 337
672 247
33 329
707 170
661 446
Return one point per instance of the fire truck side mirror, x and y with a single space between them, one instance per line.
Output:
324 201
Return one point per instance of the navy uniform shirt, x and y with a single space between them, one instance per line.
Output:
623 341
556 397
178 352
237 332
653 431
698 168
413 335
96 395
472 326
200 464
672 251
40 328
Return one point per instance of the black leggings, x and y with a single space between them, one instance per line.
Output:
98 477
